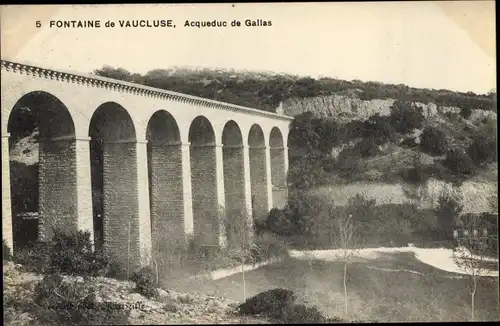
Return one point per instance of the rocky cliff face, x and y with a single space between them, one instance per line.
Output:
347 108
474 195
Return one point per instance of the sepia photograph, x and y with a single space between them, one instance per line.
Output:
249 163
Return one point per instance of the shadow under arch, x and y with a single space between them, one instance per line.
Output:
237 213
258 173
278 170
42 168
113 151
166 197
204 185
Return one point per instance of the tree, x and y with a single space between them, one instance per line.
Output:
240 239
347 242
459 163
433 141
406 116
110 72
466 112
482 150
470 253
448 211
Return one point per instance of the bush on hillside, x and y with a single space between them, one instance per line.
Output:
69 253
380 128
366 147
279 223
415 175
459 163
482 150
406 116
306 172
35 257
279 305
466 112
349 165
447 212
72 254
316 135
145 282
433 141
73 303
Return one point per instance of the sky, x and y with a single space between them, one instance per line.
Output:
440 45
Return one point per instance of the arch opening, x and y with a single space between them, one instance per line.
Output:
113 153
258 173
234 183
165 180
278 169
42 168
204 181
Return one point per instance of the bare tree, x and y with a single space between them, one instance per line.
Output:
347 242
470 254
240 235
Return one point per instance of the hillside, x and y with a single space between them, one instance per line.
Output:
169 307
265 90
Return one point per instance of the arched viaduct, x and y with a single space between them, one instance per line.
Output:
168 165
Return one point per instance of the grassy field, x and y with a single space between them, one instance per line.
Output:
393 287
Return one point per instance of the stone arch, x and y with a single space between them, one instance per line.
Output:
278 167
258 172
234 181
201 132
113 148
275 138
165 180
42 169
204 181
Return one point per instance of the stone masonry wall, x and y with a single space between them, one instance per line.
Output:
204 191
258 177
58 205
234 183
167 205
121 203
278 167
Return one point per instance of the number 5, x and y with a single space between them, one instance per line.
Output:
38 24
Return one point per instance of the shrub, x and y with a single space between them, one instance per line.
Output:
74 303
459 163
367 147
433 141
380 128
414 175
406 116
466 112
349 166
144 282
306 172
35 257
67 253
6 251
72 254
279 305
279 223
271 303
260 226
447 212
482 150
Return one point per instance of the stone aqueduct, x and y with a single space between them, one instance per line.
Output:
173 165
